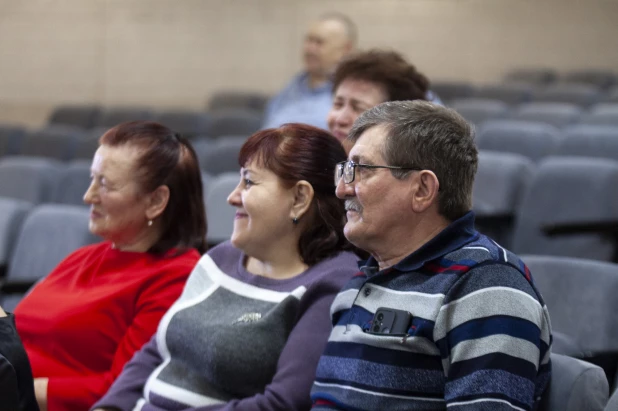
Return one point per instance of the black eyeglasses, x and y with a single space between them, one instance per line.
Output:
346 169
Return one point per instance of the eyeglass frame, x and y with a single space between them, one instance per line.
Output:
342 164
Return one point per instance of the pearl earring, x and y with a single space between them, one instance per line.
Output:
149 223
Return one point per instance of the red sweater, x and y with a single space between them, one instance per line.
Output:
84 321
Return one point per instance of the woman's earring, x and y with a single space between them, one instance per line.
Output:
149 223
295 220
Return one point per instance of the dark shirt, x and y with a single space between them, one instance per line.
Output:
16 383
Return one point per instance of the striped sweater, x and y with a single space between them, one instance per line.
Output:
479 337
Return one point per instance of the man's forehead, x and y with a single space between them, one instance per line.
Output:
369 145
327 29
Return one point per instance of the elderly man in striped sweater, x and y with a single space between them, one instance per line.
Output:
440 316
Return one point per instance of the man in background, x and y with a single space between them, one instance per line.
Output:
308 97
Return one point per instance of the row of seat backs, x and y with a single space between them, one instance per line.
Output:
557 190
515 91
38 180
601 78
34 239
581 298
215 123
536 140
558 114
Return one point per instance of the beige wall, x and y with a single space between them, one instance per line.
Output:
173 53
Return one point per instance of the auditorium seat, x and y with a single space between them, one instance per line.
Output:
228 99
452 90
499 185
602 114
611 96
10 301
10 139
221 157
12 214
598 78
112 116
581 298
188 123
73 182
566 190
583 95
612 405
28 178
477 111
87 145
555 114
83 116
219 214
509 93
49 233
575 385
589 141
536 76
57 142
234 122
533 140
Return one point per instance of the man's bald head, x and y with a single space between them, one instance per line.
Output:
328 40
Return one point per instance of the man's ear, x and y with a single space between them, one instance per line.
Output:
303 196
157 201
426 193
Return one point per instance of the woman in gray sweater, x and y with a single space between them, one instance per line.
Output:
253 319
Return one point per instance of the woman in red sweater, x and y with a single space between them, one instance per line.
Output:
84 321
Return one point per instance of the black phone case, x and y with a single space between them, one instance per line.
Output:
388 321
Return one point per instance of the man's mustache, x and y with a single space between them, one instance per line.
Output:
352 205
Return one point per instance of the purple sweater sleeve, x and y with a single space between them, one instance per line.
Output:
290 387
129 386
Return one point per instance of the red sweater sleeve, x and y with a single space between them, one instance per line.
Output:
79 393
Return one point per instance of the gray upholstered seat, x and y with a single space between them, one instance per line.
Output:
580 295
73 182
12 214
566 190
555 114
612 405
82 116
452 90
28 178
222 156
575 386
479 110
509 93
234 122
598 78
611 96
589 141
531 139
9 302
55 141
538 76
225 99
602 114
219 214
187 123
498 188
113 116
580 94
86 146
49 233
10 139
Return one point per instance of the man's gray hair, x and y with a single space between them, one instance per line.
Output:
421 134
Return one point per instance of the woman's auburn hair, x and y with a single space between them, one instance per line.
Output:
167 158
296 152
